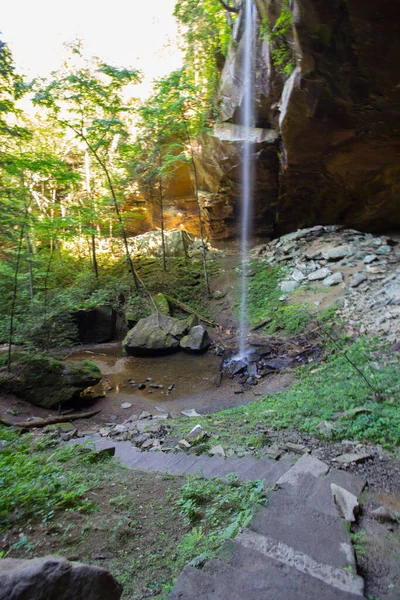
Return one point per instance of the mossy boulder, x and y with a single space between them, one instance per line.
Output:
46 380
197 340
156 334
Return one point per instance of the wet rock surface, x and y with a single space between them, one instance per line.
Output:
327 142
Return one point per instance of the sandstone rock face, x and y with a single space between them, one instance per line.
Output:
328 138
54 578
46 380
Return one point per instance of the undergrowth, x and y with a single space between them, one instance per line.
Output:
47 320
215 509
264 302
37 482
60 498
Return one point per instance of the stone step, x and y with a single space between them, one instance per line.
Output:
295 548
290 518
273 580
246 468
264 548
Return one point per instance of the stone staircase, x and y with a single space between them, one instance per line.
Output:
296 548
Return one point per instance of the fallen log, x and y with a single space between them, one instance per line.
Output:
189 310
50 420
261 324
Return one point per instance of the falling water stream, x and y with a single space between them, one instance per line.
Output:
248 121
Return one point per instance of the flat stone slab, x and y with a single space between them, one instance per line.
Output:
322 537
269 547
352 458
307 465
272 581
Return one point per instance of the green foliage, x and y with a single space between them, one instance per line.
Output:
38 483
279 36
217 509
264 303
359 542
207 33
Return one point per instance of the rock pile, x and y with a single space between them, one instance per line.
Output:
145 431
365 268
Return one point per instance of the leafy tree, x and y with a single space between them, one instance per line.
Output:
88 99
207 33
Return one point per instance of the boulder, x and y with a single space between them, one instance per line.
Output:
333 253
46 380
334 279
288 286
96 325
54 577
154 335
197 340
322 273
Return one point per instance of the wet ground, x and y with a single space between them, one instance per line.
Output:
194 379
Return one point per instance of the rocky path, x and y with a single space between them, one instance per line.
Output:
298 546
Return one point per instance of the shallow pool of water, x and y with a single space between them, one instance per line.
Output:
188 374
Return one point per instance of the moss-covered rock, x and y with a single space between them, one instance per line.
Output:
46 380
197 340
162 304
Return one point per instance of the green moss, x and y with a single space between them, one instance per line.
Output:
264 302
162 304
46 380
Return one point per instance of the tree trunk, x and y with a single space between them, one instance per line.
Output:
196 192
29 248
89 193
116 207
15 289
160 188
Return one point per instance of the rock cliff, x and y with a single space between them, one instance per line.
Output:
327 136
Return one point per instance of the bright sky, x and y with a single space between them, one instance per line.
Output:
126 33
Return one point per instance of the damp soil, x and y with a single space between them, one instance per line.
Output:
195 380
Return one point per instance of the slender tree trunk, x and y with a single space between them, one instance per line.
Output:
29 248
57 247
46 279
89 193
116 207
196 192
160 184
15 290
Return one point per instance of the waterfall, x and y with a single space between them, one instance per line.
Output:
248 121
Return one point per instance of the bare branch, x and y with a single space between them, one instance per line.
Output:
226 6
